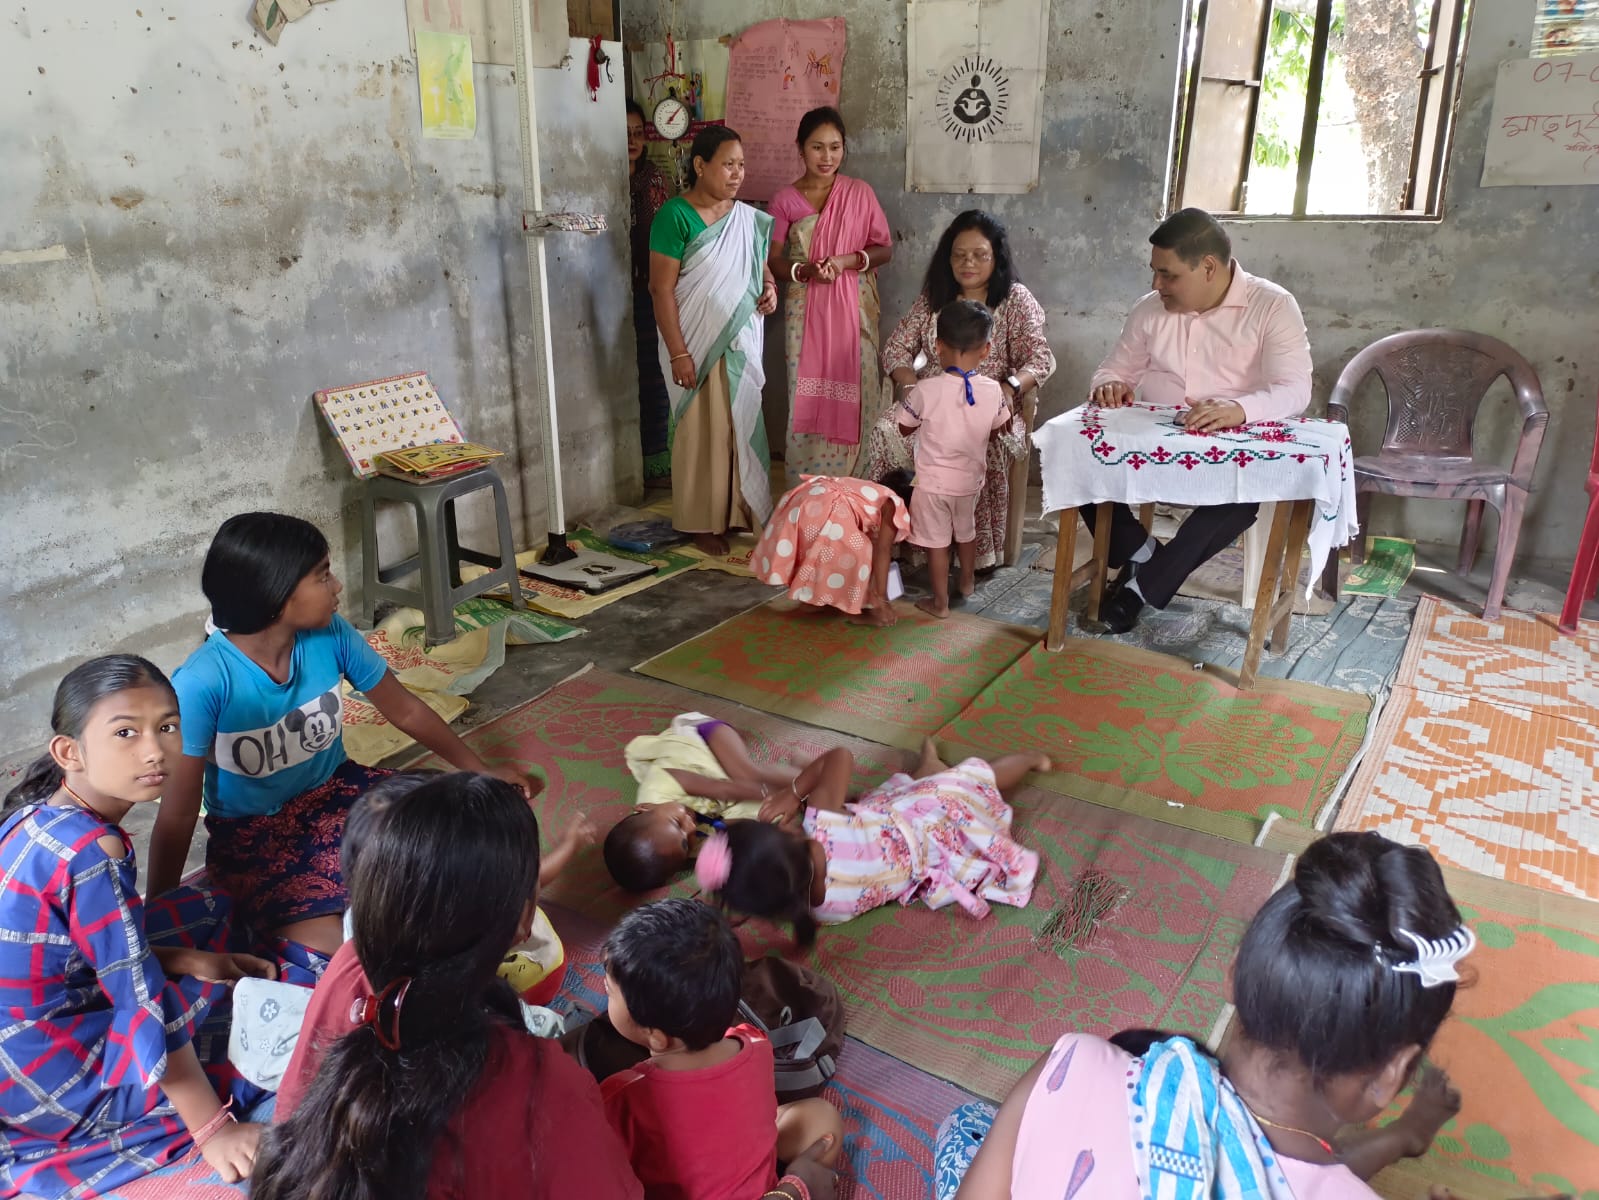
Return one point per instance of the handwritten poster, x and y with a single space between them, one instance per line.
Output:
444 79
975 94
778 71
489 23
1545 124
1565 27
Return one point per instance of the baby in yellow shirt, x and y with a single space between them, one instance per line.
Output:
692 777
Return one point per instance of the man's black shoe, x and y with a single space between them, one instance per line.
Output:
1120 612
1128 573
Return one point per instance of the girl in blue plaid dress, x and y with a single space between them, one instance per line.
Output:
101 998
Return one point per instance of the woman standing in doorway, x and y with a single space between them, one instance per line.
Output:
973 262
712 290
647 191
829 235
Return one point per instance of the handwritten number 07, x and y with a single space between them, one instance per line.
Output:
1544 70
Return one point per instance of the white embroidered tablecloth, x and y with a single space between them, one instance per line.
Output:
1141 454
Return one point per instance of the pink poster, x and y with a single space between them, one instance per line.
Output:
778 71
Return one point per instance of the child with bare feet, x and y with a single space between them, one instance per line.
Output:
692 777
941 835
956 413
831 541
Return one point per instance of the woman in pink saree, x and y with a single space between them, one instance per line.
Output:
829 235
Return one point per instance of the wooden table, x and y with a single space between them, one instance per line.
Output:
1274 599
1139 454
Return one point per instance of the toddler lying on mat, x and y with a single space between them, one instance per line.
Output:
941 835
691 778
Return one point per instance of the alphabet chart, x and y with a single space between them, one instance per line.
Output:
386 414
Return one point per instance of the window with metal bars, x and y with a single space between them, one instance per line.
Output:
1318 108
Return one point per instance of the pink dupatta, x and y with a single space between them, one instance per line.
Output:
827 387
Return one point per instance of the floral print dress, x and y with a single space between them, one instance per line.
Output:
944 839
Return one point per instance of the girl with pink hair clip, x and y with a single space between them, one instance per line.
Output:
940 834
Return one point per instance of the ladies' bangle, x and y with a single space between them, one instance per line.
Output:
793 1181
675 357
866 260
209 1130
793 273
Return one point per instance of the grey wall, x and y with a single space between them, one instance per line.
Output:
244 224
1515 262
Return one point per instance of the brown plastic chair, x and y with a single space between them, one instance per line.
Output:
1436 380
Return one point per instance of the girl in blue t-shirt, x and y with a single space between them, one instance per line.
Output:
263 732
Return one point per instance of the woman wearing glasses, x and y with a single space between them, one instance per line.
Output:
973 262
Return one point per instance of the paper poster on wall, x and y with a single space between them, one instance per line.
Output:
444 80
1565 27
975 94
1545 124
490 25
778 71
696 73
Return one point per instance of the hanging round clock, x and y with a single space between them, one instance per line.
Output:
671 118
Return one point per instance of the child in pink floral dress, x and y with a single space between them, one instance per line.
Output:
941 835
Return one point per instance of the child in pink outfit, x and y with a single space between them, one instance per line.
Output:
955 412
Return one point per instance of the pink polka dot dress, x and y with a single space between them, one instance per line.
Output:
818 543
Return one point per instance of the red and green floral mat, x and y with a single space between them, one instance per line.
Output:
893 686
1144 733
1522 1045
891 1110
971 1001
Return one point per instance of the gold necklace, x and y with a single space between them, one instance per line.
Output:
1320 1141
80 801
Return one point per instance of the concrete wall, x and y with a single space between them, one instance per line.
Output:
1515 262
243 224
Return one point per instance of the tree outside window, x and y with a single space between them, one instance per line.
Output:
1318 108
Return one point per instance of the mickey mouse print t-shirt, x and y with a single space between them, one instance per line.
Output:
266 742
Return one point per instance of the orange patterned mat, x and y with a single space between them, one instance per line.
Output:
1519 1045
1487 751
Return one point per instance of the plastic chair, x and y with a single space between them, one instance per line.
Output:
1436 380
1585 571
439 551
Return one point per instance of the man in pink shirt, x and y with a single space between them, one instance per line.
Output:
1230 346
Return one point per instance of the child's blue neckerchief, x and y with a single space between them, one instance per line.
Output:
966 378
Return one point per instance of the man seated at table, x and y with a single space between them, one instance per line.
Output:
1232 348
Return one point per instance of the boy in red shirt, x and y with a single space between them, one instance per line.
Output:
700 1116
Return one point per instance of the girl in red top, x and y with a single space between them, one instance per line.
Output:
413 1078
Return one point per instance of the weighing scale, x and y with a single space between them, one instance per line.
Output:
584 570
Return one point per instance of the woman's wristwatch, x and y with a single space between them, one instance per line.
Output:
1015 382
